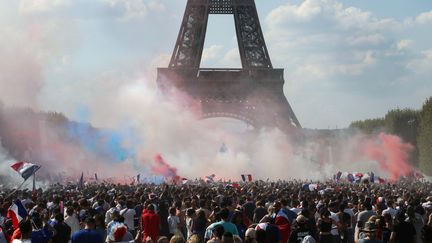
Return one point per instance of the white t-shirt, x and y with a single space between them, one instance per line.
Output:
173 222
335 218
21 241
129 215
390 211
73 222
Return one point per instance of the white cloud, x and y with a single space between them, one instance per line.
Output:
37 6
328 48
422 64
404 44
424 18
129 8
211 53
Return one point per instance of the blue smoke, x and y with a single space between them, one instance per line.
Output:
111 145
114 146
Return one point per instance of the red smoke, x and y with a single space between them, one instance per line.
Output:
162 168
391 153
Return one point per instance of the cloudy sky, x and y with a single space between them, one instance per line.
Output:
344 60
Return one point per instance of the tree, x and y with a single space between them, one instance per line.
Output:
405 124
425 138
369 125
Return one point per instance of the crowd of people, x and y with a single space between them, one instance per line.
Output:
213 212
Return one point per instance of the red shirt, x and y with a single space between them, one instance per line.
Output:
150 224
282 222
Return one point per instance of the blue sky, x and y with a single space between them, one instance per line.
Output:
343 60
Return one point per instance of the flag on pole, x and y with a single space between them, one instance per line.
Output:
96 177
210 177
25 169
17 213
247 177
138 178
34 183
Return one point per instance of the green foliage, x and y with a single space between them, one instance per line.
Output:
404 123
369 125
425 138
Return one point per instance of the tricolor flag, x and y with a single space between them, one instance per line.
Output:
418 174
211 177
25 169
247 177
350 177
16 213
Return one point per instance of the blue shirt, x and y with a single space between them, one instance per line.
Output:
87 236
41 236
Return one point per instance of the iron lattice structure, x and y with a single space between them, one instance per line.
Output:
253 93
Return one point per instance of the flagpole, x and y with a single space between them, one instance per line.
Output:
34 182
15 190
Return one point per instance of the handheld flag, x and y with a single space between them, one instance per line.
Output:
25 169
210 177
17 213
247 177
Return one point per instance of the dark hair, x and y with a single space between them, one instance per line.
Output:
59 217
190 212
218 231
172 210
224 213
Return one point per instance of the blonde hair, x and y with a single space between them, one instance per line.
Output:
177 239
194 239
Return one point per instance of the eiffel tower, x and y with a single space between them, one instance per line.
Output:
253 94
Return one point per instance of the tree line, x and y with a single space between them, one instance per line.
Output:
413 126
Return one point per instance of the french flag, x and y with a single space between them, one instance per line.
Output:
247 177
16 213
25 169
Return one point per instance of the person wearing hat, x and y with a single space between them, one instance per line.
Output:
302 230
369 230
